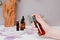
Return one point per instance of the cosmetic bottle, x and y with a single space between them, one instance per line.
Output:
41 31
22 23
17 25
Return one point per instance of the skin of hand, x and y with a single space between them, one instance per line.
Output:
41 21
50 31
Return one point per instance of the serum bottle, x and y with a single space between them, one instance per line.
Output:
22 23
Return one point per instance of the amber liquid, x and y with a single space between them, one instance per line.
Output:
40 29
22 26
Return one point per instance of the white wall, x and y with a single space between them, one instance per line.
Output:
49 8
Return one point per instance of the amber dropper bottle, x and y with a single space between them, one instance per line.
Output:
22 23
17 25
38 26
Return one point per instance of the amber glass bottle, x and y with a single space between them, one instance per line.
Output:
22 23
41 31
17 25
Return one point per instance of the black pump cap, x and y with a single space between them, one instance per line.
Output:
34 18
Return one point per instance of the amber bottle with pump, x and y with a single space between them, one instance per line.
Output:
41 31
22 23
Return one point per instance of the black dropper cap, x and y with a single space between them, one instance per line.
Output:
23 19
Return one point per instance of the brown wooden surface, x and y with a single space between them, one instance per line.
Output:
9 12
